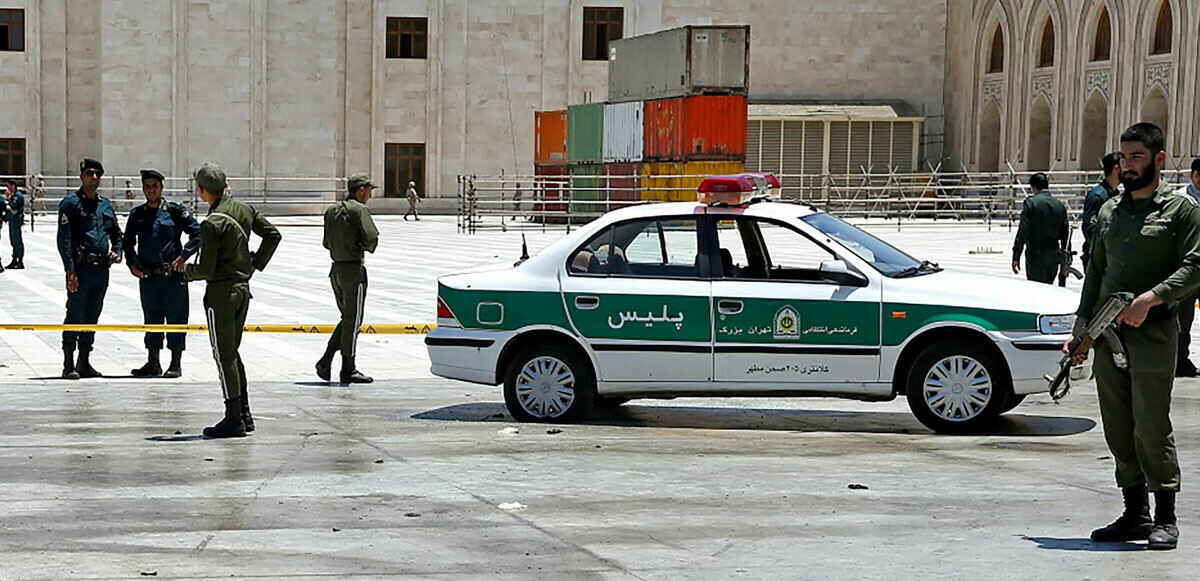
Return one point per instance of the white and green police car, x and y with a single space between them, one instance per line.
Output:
755 299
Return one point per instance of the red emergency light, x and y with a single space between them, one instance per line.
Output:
737 189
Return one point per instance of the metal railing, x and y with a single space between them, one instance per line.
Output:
541 201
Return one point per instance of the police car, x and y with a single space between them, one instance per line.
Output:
738 295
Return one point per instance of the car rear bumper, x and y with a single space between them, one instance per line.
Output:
464 355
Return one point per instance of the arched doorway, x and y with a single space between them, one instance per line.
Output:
1093 144
1156 110
1040 128
989 139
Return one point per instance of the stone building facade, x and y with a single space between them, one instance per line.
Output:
278 88
1050 84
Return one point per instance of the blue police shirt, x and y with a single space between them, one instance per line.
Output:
86 225
153 235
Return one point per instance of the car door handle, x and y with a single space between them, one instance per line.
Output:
729 307
587 303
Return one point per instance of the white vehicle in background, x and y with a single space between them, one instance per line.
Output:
737 295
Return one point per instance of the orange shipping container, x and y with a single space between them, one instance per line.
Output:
705 127
550 137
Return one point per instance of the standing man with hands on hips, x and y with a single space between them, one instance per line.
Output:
1147 243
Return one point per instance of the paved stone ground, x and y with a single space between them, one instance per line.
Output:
402 479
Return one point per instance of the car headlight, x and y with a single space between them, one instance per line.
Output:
1056 324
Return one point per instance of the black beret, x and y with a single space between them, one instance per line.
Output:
89 163
150 173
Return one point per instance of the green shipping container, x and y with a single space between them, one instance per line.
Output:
585 133
587 185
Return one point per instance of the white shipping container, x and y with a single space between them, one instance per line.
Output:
680 62
624 132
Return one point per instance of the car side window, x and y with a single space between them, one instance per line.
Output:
752 249
593 257
653 247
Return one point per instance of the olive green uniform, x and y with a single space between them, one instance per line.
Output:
227 263
1043 232
349 232
1140 246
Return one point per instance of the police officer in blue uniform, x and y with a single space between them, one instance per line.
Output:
155 254
15 217
89 241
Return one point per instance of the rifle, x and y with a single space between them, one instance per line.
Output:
1102 325
1066 257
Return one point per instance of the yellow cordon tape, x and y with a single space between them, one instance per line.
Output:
394 329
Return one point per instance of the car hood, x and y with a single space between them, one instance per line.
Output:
968 290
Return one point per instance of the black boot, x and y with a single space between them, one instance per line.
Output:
1165 535
231 426
1134 524
18 264
84 367
69 365
325 365
152 368
175 369
247 419
351 375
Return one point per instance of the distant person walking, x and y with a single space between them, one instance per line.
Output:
1043 233
413 200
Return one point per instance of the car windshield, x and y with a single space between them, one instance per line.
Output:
884 257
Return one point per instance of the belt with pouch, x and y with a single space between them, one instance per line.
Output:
83 258
163 269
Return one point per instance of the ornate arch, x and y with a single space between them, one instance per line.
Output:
991 89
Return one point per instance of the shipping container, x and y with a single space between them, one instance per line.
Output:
587 190
704 128
550 137
678 181
550 189
624 132
624 184
585 133
692 60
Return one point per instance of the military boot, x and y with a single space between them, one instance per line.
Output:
84 367
1134 524
325 367
152 368
69 365
16 264
231 426
350 374
247 419
1165 535
175 369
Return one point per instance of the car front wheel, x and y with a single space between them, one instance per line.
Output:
547 383
957 387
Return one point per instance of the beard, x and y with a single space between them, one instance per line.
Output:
1135 183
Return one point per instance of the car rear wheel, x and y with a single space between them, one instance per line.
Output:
957 387
547 383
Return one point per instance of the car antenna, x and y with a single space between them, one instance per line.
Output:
524 251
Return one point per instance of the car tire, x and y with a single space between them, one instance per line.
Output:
956 387
547 383
1014 400
606 402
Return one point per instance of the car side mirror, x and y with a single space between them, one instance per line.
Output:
838 271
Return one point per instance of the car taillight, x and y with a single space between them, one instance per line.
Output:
443 312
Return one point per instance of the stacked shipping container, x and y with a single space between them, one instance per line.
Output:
678 108
550 161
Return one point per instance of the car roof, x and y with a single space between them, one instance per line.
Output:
768 209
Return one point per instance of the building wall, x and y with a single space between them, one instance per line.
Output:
1124 85
275 88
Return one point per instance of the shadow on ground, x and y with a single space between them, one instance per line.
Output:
1056 544
710 418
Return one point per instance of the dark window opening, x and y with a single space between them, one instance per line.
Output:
1046 54
407 38
1102 49
12 29
601 26
403 163
996 57
1163 30
12 157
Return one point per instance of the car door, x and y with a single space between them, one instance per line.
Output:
777 320
638 293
